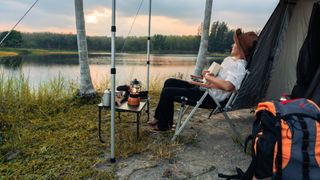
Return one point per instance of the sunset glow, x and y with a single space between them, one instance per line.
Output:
166 19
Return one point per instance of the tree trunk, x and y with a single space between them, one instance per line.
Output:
86 87
203 49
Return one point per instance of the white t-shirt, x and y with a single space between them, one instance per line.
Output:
233 70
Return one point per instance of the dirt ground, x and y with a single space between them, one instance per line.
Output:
208 148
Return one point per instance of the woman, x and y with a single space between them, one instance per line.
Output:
228 79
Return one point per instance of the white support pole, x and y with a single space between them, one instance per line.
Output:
113 81
148 47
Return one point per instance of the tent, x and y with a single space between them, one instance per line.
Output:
287 55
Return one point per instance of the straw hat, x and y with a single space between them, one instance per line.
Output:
245 41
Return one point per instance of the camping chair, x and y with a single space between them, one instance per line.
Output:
222 107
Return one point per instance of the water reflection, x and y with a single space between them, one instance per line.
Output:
52 59
11 62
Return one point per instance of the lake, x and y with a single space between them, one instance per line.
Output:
43 68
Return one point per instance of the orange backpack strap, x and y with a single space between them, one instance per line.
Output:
313 103
268 106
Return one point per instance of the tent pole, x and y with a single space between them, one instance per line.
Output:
113 81
148 47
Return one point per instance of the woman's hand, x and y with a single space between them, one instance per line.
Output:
208 77
204 72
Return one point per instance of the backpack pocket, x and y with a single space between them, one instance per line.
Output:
264 147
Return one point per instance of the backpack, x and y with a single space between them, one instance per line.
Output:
285 142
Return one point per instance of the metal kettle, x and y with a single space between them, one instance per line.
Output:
106 98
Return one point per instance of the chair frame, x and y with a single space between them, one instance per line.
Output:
219 108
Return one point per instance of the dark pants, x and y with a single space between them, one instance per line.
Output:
175 88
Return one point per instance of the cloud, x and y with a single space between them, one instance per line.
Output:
168 16
99 15
243 20
159 24
96 21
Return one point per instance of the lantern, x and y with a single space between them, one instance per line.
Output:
135 87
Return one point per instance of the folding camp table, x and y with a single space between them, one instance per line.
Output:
124 107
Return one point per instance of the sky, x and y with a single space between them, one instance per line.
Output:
169 17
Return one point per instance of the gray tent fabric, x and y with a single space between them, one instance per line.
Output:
284 68
308 66
273 64
254 89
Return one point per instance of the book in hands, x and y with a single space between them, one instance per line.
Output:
213 70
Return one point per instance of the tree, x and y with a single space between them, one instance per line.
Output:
158 42
14 39
203 49
200 29
86 87
221 38
228 41
164 43
213 36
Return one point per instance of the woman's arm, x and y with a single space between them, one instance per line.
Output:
206 85
219 83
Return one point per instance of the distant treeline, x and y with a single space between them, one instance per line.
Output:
220 40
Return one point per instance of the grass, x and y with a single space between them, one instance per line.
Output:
8 54
50 133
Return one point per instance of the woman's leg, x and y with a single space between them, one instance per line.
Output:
165 109
174 83
171 82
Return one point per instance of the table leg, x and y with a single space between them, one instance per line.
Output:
148 110
119 116
99 121
138 124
